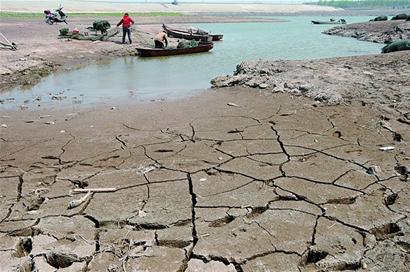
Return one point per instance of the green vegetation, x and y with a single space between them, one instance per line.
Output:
102 25
64 31
364 3
5 14
28 15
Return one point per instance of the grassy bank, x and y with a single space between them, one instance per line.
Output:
28 15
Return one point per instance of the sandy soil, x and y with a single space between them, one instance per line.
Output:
85 6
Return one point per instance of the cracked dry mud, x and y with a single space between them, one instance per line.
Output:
275 184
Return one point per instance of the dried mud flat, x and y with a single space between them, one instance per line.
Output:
232 180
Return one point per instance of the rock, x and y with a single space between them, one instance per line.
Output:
23 247
329 97
263 85
34 203
380 18
195 265
401 16
397 46
227 81
254 82
373 170
61 259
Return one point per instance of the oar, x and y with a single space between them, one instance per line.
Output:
4 37
12 45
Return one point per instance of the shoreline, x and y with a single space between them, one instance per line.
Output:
78 6
36 58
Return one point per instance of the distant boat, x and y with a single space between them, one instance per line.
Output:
190 35
160 52
331 22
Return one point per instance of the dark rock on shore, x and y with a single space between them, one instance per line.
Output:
379 18
375 31
397 46
402 16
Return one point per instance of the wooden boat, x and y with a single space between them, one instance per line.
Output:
338 22
183 34
160 52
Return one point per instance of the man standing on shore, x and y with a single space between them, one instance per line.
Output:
126 23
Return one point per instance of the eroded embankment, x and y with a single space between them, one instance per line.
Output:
379 32
382 80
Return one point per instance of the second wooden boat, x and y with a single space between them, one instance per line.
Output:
338 22
183 34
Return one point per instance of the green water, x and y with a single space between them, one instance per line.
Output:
144 79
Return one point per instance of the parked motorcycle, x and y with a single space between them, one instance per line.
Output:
58 16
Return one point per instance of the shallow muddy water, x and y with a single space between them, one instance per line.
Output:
145 79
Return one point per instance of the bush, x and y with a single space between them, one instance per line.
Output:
102 26
64 31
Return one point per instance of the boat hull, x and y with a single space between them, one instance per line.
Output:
327 23
160 52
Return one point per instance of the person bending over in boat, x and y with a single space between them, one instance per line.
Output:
160 39
126 23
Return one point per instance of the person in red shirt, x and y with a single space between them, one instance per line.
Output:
126 23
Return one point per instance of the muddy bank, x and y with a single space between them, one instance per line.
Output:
381 80
40 52
379 32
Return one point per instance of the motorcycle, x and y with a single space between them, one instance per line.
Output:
58 16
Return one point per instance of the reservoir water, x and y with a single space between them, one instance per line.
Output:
144 79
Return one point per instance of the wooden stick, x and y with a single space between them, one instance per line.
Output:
95 190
